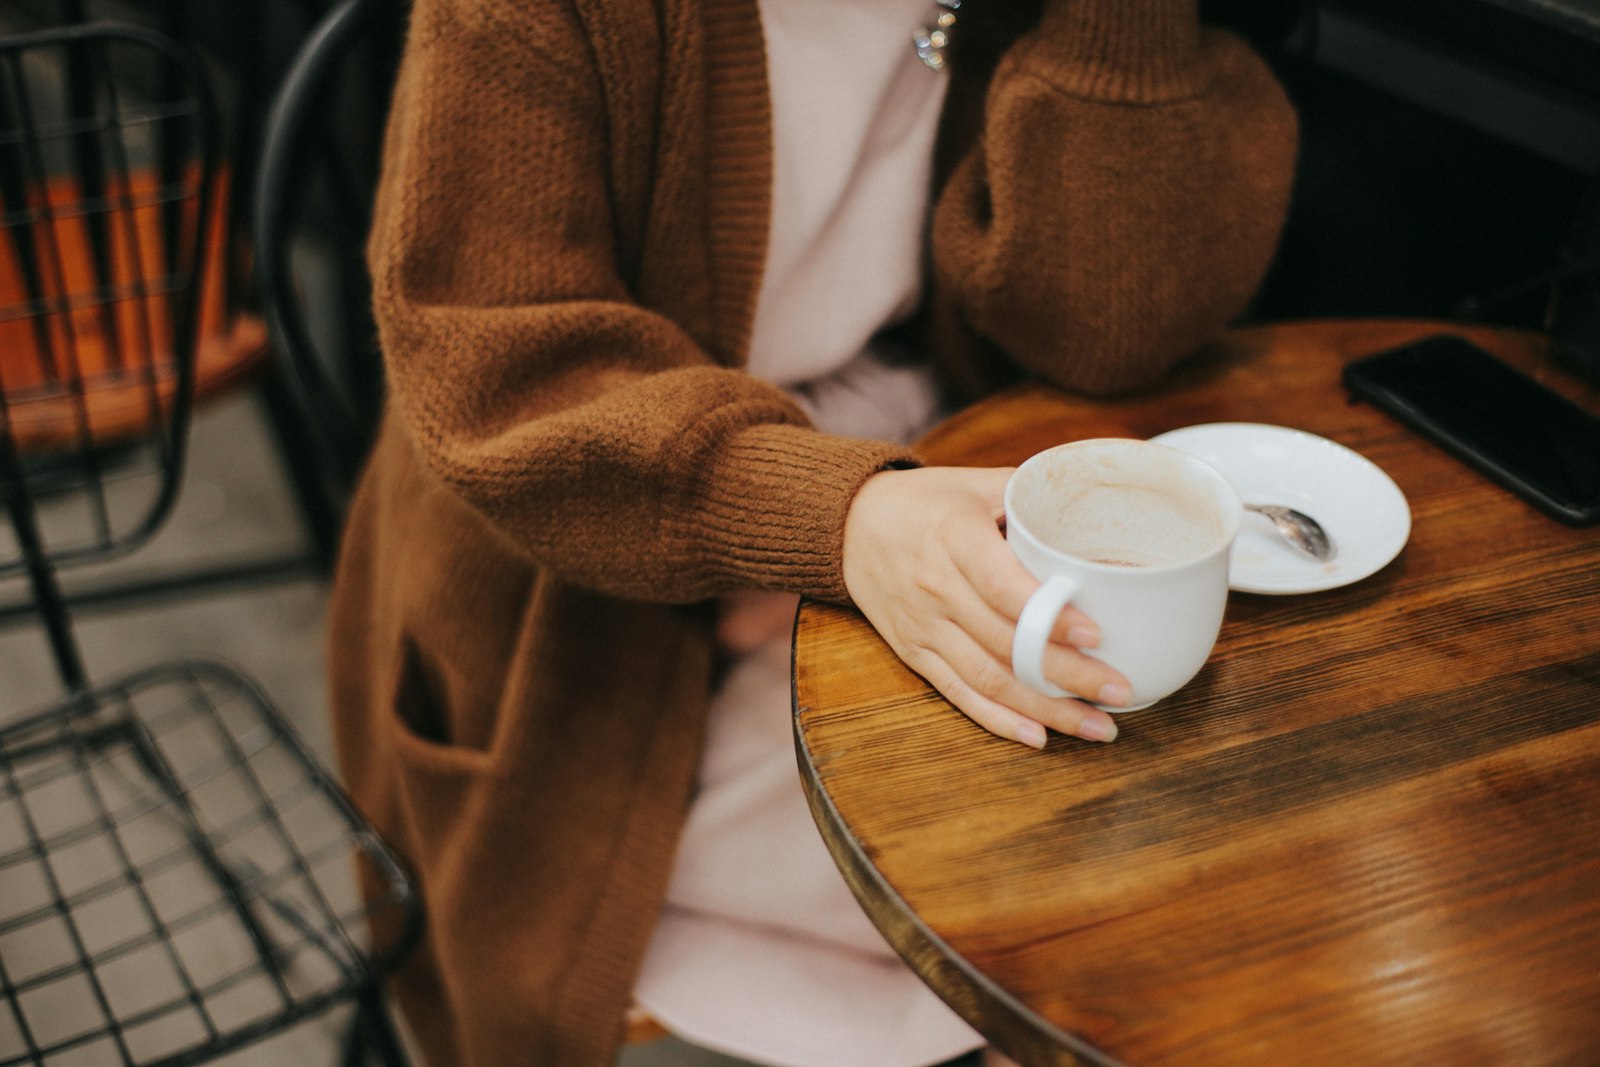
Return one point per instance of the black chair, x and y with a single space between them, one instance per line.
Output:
244 47
176 880
319 159
177 873
107 186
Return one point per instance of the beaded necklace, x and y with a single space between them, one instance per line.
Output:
931 41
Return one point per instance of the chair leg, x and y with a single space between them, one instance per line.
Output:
46 590
372 1033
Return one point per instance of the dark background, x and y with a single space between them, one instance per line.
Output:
1448 145
1448 155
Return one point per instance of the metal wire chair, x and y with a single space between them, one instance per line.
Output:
243 47
176 871
101 248
177 879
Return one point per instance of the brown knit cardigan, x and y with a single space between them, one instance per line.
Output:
569 235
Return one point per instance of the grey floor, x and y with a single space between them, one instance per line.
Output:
234 504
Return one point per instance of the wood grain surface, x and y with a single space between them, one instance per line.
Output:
1368 832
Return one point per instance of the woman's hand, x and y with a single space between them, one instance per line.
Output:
927 564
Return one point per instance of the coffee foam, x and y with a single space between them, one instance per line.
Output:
1145 527
1136 510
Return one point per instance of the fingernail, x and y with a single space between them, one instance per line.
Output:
1083 636
1114 693
1097 729
1032 735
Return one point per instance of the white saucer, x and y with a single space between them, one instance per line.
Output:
1363 511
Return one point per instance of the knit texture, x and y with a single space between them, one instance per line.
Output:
566 251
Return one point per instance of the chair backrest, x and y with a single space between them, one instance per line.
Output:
107 174
107 216
312 209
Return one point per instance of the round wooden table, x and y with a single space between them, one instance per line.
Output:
1368 832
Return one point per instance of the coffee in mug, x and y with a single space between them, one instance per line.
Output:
1135 535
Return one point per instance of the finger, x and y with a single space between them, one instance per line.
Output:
1063 664
984 680
1003 722
1084 676
1004 584
1074 718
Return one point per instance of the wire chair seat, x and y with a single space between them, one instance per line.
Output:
178 877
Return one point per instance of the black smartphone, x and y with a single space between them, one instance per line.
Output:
1520 433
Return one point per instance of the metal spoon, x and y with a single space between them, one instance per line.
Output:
1298 528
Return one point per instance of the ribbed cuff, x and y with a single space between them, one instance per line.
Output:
1123 51
773 508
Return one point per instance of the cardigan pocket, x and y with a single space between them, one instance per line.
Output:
431 733
438 781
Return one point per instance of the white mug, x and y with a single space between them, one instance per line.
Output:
1136 536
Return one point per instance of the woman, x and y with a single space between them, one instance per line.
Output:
664 290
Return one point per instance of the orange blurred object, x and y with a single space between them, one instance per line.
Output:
86 347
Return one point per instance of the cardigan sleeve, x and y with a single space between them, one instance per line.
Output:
1125 197
595 435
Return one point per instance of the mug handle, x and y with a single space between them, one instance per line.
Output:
1038 618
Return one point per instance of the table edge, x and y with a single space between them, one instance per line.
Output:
945 971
